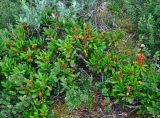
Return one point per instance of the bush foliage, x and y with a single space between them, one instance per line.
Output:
54 55
146 16
9 9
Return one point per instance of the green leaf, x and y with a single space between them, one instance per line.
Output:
47 93
130 100
34 95
44 109
105 91
151 110
36 115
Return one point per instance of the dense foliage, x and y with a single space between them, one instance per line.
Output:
145 14
9 9
51 53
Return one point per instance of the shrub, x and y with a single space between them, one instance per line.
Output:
145 15
34 68
34 14
8 10
46 56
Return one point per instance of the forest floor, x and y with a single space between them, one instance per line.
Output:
97 111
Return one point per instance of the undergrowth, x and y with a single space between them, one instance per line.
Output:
56 56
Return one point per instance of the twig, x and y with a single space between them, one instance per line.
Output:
82 70
135 108
81 57
132 107
105 116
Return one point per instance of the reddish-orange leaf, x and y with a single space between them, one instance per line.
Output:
11 44
140 59
128 90
121 73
